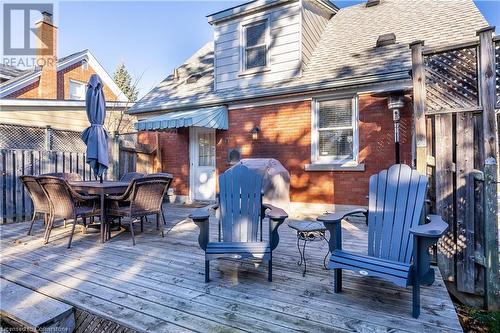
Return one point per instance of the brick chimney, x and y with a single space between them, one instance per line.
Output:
46 56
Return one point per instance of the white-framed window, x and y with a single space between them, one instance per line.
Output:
206 149
77 90
335 130
255 45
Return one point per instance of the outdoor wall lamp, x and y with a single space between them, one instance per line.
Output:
395 102
255 132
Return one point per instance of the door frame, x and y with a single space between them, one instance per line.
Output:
193 153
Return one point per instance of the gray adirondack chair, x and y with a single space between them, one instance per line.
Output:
241 212
397 243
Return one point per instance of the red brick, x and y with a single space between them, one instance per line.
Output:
286 136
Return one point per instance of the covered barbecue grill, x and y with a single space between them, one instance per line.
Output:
276 180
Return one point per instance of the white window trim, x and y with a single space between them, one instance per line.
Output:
243 42
71 97
315 158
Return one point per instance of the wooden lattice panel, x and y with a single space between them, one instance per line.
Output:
497 60
451 80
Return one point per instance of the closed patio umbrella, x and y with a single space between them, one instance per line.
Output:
95 136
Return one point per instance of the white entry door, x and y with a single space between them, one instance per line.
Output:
202 159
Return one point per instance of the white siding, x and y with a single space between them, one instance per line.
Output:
58 119
284 49
314 20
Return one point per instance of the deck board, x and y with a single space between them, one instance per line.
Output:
158 285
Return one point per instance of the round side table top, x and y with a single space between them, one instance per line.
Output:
307 226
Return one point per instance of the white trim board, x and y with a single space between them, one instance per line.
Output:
269 102
386 82
44 103
308 96
10 88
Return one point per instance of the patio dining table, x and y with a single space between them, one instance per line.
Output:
102 190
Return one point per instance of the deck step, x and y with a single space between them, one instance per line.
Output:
34 311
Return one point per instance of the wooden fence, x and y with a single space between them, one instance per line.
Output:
456 136
15 203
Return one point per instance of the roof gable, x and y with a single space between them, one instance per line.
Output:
346 53
11 86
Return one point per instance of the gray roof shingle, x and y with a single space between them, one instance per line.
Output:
8 72
346 52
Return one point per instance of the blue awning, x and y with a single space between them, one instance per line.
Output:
212 117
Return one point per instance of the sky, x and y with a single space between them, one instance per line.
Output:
152 38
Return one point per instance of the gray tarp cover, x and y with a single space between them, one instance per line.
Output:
276 180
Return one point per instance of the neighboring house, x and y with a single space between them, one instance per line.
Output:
302 82
54 94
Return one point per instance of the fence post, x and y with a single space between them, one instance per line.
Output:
418 77
116 155
48 137
488 100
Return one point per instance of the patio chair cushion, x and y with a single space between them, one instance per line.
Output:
260 250
394 271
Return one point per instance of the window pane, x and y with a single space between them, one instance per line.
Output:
337 143
206 149
256 34
256 57
337 113
76 90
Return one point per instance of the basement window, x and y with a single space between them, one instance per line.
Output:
255 46
335 131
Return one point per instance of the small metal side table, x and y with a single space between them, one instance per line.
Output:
308 231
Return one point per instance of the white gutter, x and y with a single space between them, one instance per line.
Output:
35 103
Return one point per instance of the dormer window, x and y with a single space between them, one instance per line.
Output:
255 45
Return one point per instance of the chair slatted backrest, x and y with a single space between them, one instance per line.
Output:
396 202
240 200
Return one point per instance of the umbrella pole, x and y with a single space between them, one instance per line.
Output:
100 179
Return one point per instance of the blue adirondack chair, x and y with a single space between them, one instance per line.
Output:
397 241
240 213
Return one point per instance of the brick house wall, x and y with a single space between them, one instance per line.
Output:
174 147
286 135
74 72
77 72
28 92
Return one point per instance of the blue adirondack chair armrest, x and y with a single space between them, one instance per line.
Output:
276 213
200 214
426 235
337 217
201 218
434 229
276 217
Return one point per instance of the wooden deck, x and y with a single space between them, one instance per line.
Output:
158 285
